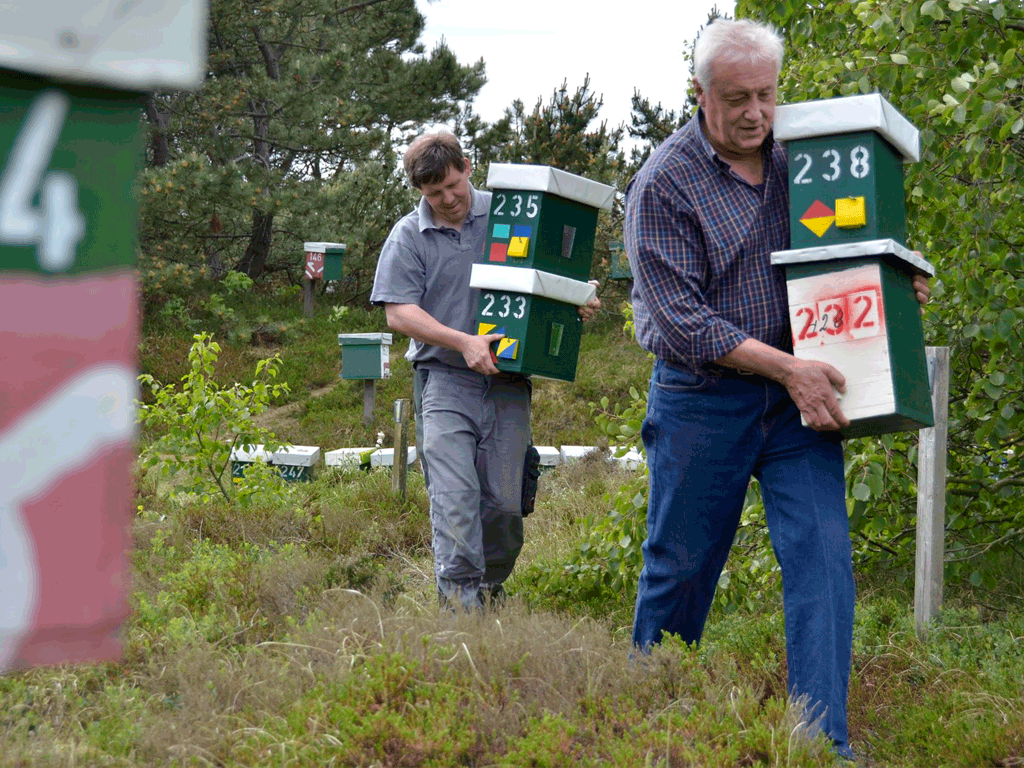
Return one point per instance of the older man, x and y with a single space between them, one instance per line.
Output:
726 394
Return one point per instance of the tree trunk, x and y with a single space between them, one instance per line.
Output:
255 257
159 148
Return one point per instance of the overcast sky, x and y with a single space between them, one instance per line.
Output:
531 46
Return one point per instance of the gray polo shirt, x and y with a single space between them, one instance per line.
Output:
429 265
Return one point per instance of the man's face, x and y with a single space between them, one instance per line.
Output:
451 199
739 106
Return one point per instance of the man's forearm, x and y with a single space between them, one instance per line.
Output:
415 322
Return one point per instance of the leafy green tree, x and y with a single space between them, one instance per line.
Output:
954 69
201 422
293 135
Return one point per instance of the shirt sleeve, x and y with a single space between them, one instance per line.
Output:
664 240
400 277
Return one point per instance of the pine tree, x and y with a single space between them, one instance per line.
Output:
292 136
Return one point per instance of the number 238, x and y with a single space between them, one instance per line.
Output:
860 165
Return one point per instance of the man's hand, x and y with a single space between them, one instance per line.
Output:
476 351
588 310
814 386
922 288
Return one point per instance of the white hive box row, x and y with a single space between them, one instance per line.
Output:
297 462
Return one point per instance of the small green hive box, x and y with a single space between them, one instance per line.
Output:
543 218
620 266
539 314
293 462
365 355
323 260
846 160
854 306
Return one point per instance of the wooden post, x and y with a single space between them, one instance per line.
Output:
368 397
931 495
307 297
399 467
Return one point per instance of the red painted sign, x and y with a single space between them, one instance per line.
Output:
854 315
314 265
67 421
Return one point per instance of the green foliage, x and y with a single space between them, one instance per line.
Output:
201 423
292 136
954 69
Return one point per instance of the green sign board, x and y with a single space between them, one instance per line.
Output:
72 154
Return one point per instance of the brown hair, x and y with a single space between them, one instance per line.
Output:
430 156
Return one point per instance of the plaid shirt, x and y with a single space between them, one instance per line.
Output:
699 240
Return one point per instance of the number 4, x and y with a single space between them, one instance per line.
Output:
56 226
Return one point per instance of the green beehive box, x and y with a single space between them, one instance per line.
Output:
365 355
539 314
854 307
543 218
323 260
846 169
72 83
620 267
848 274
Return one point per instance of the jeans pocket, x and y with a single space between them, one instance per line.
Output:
673 378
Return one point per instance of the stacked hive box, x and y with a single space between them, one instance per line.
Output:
72 79
365 355
849 273
293 462
533 273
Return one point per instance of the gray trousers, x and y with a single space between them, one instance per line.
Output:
472 432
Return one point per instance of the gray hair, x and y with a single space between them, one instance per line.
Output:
735 42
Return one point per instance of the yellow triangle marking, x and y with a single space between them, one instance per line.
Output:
818 225
485 328
508 348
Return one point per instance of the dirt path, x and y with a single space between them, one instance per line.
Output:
281 419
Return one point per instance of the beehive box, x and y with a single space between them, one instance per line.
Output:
365 355
543 218
324 260
854 307
539 314
846 161
293 462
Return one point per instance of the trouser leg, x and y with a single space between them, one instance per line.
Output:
471 429
701 439
450 410
804 492
419 378
500 468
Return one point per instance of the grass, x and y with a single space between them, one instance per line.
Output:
306 631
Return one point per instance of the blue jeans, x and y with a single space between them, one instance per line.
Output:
706 436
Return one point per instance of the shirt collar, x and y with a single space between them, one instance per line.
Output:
705 143
479 207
